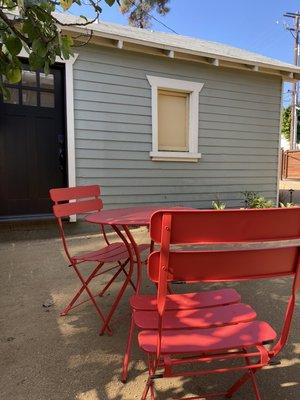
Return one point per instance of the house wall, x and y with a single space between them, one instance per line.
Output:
239 115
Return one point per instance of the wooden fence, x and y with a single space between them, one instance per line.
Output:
290 164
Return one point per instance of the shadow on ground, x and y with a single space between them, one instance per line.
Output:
47 357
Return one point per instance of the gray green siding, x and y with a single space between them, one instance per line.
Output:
239 116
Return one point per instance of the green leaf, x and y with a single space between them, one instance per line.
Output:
5 91
10 4
14 75
30 30
20 4
35 61
66 4
66 43
110 2
13 45
46 68
39 47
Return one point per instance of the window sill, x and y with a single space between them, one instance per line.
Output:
174 156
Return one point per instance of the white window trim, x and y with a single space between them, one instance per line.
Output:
193 88
69 104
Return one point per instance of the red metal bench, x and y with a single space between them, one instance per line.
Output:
240 245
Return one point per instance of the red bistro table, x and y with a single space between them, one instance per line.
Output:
126 217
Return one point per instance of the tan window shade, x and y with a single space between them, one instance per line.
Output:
173 112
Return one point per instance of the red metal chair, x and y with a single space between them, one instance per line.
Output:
260 244
185 303
83 200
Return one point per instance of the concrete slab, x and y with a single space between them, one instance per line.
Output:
48 357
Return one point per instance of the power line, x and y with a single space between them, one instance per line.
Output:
295 33
155 19
264 36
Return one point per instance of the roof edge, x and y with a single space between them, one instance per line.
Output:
287 72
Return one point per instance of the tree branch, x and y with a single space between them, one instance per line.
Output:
11 26
77 23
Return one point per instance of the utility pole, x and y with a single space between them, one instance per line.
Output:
294 120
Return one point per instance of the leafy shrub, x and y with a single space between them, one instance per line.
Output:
254 200
218 205
286 200
286 205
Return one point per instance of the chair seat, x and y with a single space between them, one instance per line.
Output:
207 340
199 318
187 301
110 253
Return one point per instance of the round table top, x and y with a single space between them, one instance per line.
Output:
127 216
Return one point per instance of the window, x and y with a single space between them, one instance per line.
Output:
35 90
175 106
173 133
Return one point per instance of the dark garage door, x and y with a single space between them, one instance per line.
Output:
32 143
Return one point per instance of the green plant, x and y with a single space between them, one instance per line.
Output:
286 123
218 204
286 205
33 26
285 199
254 200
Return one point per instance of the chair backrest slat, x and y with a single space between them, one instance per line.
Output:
78 207
235 263
212 226
216 266
72 193
76 200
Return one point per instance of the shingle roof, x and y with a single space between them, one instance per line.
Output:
178 42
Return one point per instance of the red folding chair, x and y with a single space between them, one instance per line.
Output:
183 303
83 200
255 244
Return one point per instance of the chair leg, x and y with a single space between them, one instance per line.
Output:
149 386
146 390
115 304
122 266
239 383
84 284
151 368
254 384
126 358
80 291
121 269
150 381
109 282
152 390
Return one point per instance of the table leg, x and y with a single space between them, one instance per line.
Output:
137 255
138 286
127 280
127 353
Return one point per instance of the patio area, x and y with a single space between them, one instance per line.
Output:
45 356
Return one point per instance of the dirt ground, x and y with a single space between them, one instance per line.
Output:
48 357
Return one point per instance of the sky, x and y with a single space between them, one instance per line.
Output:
255 25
